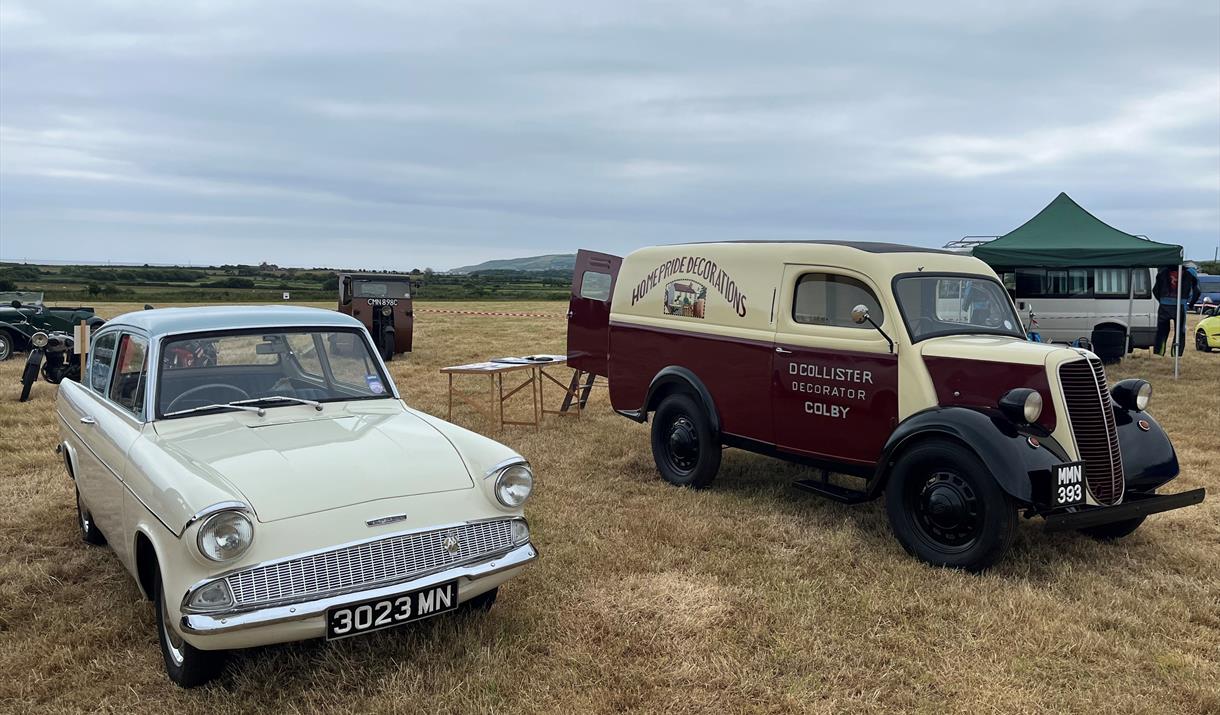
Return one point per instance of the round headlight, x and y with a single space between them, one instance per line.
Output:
514 484
387 311
1132 394
225 535
39 339
1033 406
1022 405
1142 396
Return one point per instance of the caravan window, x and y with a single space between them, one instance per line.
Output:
1076 282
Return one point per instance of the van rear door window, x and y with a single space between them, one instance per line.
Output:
828 299
595 286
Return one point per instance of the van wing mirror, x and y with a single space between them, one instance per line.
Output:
345 290
860 316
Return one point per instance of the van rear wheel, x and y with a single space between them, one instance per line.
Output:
686 450
947 509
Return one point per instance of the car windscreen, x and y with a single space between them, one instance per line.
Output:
934 305
382 289
265 369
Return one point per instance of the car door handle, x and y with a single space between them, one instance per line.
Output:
781 351
87 420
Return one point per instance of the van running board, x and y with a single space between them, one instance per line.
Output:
823 488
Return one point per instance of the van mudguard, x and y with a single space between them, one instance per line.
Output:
1149 459
664 382
1021 466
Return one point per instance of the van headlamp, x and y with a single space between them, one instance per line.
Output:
1132 394
1022 405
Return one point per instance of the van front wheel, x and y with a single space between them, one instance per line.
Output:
684 447
947 509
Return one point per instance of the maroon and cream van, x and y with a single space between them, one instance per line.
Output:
903 370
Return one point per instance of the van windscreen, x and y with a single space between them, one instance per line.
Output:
935 305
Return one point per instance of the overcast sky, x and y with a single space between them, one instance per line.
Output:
406 134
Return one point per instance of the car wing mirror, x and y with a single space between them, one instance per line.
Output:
16 304
860 316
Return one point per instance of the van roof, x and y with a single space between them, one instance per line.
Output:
868 246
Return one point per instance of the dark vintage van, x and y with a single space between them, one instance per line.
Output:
905 371
381 301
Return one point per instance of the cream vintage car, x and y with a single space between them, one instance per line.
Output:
256 472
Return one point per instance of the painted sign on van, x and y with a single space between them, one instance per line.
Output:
686 298
699 267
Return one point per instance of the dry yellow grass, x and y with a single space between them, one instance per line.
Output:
750 597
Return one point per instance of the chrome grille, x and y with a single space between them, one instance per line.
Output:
394 558
1092 419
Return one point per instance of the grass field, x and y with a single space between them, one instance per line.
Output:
749 597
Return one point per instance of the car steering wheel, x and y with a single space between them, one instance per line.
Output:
241 394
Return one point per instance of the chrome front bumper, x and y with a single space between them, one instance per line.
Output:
203 624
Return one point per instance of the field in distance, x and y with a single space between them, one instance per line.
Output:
748 597
64 284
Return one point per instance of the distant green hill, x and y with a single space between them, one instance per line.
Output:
553 262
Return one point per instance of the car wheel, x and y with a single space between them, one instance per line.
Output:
480 603
88 530
947 509
1201 342
186 665
684 447
1114 530
6 345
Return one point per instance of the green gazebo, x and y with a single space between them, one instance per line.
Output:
1064 235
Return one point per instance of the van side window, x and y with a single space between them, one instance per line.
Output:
595 286
827 299
1143 287
130 372
101 359
1111 282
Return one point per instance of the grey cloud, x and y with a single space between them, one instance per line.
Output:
441 134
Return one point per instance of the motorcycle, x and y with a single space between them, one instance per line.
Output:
54 354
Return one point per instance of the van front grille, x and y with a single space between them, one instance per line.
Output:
1092 419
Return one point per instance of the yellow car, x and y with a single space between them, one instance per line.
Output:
1207 334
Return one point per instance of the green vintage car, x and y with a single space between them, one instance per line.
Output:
22 314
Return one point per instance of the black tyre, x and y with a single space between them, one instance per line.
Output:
480 603
29 374
947 509
684 447
6 345
88 530
186 665
1114 530
387 345
1201 342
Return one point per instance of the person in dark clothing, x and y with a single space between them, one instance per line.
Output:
1165 290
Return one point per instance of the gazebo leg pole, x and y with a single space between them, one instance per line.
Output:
1178 328
1130 303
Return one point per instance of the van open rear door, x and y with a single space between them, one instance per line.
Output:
589 310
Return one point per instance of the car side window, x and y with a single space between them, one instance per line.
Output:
101 359
130 374
828 299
